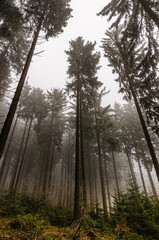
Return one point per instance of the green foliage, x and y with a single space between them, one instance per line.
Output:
137 212
13 204
28 223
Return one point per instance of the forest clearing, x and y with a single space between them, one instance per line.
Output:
72 164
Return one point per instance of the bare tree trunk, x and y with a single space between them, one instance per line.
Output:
13 179
82 159
107 182
4 163
101 169
131 169
23 156
77 158
90 181
115 172
95 184
141 174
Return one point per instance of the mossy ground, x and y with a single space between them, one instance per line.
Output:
75 231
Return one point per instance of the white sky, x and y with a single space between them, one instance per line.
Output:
49 69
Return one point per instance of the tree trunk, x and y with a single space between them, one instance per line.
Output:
23 156
95 184
82 159
146 133
101 169
13 179
13 106
141 173
149 175
131 169
152 15
115 172
4 163
77 159
107 182
142 121
90 180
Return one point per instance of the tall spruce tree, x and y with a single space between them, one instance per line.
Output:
83 66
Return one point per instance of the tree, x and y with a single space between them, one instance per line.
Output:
13 42
83 65
47 16
126 60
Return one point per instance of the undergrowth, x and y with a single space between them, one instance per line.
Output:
133 217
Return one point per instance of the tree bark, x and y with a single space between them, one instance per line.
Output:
115 172
77 158
107 182
23 156
131 169
95 184
101 169
82 159
141 173
4 163
13 179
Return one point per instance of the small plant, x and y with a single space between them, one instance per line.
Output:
28 223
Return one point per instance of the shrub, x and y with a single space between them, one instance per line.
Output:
137 212
28 223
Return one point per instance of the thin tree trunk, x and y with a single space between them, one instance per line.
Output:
146 133
101 169
149 175
115 172
82 159
23 156
77 159
4 163
131 169
151 181
150 12
13 106
142 121
141 174
107 182
68 168
13 179
51 165
95 184
90 180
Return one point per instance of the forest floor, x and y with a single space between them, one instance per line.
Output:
75 231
